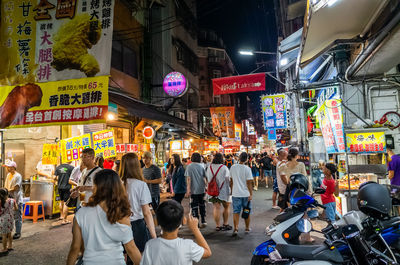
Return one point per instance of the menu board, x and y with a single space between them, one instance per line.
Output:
274 111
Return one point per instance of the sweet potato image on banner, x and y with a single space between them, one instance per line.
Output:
18 102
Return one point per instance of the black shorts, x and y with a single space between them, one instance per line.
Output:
64 194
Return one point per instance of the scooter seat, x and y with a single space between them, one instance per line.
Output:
314 252
391 222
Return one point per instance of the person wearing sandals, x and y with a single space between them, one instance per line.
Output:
242 191
221 172
7 208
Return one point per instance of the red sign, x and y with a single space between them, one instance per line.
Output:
148 132
126 148
238 84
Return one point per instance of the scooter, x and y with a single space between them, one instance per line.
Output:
288 226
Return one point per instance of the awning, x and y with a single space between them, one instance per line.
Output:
289 50
330 20
319 69
140 109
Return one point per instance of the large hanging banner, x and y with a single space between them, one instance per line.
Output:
53 103
274 111
223 119
104 143
71 148
238 132
331 121
52 40
238 84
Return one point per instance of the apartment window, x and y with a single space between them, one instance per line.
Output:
202 97
216 73
186 56
217 100
124 59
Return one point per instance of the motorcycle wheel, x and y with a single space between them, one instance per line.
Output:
259 260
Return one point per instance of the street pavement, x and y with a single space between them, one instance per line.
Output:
48 242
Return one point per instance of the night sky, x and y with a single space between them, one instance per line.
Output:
242 25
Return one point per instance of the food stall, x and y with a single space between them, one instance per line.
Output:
180 147
230 145
364 160
211 146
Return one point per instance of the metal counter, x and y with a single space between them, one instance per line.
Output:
43 191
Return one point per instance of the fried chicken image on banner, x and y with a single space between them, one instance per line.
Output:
71 44
18 102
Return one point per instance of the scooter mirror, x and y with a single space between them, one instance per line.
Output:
319 191
304 226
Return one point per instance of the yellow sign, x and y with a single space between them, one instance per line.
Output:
104 143
50 154
49 40
238 132
71 148
75 101
176 145
366 143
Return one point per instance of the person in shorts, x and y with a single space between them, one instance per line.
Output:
152 176
63 174
242 191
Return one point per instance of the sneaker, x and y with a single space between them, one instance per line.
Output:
255 188
235 232
202 225
16 236
276 207
247 230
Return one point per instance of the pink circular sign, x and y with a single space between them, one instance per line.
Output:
175 84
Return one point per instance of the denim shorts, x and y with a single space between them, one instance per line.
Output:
267 173
275 184
238 203
330 211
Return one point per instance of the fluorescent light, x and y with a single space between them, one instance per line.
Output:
246 52
284 61
332 2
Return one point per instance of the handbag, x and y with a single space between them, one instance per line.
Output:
246 211
72 202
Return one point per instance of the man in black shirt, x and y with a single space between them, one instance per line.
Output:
152 176
63 174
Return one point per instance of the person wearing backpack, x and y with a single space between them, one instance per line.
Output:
219 191
242 191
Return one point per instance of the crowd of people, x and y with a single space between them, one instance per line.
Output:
118 209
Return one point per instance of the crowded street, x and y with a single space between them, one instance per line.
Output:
180 132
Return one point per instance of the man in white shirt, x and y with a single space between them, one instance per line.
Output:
242 191
86 182
14 185
281 178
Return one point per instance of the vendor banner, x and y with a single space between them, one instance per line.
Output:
104 143
230 143
51 40
126 148
71 148
331 122
274 111
74 101
238 84
238 132
211 146
366 142
223 119
50 154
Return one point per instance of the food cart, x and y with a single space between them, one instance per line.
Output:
364 160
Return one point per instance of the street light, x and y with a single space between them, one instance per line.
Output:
250 53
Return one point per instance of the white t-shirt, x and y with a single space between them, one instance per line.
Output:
76 174
102 239
138 195
281 185
89 181
240 174
179 251
11 182
223 176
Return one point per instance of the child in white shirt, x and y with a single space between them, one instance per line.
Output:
170 249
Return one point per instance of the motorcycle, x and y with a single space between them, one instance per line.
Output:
288 226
